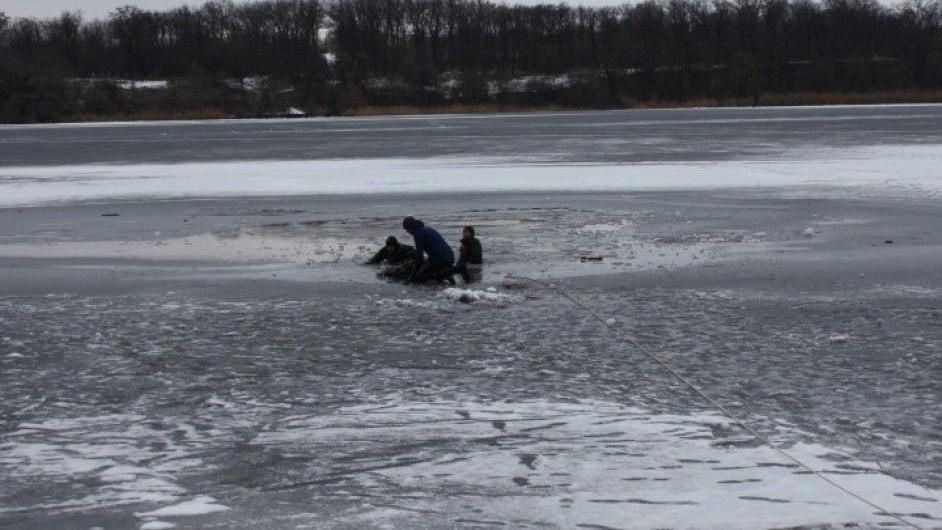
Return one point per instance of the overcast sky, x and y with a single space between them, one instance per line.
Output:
91 8
101 8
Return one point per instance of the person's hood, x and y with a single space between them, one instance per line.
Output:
411 224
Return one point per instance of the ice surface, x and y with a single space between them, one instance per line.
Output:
903 169
589 464
436 411
382 406
246 247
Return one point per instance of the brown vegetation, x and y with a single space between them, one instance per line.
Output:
156 115
456 108
765 100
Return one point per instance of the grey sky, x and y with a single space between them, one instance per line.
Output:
91 8
101 8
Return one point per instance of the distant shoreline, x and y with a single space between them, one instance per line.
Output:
799 99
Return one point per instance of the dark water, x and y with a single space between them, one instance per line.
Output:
613 136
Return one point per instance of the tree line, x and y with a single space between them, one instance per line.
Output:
329 56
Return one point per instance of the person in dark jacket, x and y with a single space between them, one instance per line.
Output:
440 256
399 260
470 259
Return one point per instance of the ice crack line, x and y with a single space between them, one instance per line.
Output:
627 337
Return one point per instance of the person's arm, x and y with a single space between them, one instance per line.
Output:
418 258
462 255
419 248
378 258
476 254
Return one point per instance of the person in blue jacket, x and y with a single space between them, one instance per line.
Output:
440 256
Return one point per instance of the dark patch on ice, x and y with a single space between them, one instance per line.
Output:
643 501
743 481
605 434
915 497
607 422
917 515
596 527
765 499
746 442
464 414
498 424
521 481
776 464
527 459
634 479
696 461
481 522
406 508
452 461
544 427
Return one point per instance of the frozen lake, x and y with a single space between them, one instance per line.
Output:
887 149
684 135
187 340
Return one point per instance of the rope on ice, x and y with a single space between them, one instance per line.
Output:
627 337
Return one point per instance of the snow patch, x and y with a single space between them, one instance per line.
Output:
838 338
131 84
601 228
252 84
157 525
201 505
858 170
470 296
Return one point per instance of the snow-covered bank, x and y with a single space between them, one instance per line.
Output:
899 169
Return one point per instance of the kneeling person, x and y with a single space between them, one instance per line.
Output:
440 256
